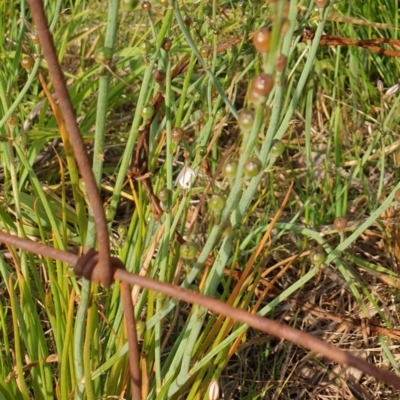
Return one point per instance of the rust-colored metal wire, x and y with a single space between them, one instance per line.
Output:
67 110
86 266
103 269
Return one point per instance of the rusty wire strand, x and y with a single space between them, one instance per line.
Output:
69 116
262 324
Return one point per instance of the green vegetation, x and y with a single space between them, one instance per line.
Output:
224 158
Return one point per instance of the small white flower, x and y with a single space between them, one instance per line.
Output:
213 390
185 177
392 90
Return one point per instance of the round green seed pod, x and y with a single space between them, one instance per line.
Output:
277 148
122 230
21 139
246 120
129 5
217 203
147 112
145 48
230 169
188 251
109 212
252 167
103 55
317 257
163 194
205 51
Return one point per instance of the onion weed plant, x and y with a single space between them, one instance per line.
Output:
237 157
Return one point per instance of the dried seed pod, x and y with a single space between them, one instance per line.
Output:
146 6
397 196
262 84
159 76
12 121
397 158
166 44
285 25
280 62
321 3
340 224
27 62
262 39
187 20
177 134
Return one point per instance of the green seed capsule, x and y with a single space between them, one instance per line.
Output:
164 3
147 112
27 62
145 48
317 257
110 212
230 169
21 139
246 120
217 203
252 167
122 230
277 148
163 194
140 328
103 55
205 51
188 251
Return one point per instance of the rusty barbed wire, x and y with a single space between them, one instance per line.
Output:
99 267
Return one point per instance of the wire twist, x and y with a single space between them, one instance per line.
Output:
88 267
